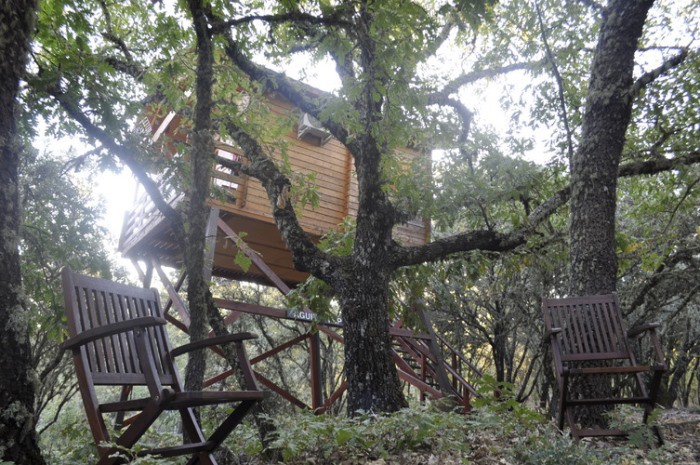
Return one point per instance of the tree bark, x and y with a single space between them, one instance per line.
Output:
373 384
18 438
198 293
593 260
592 254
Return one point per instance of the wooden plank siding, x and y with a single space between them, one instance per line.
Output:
246 208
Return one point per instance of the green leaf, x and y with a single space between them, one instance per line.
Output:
242 261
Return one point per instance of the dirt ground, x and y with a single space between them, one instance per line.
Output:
679 428
681 431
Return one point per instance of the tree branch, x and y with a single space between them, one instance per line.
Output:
272 81
473 240
129 68
501 242
560 83
220 26
126 155
658 165
464 114
647 78
454 85
305 254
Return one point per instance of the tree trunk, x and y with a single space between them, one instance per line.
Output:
373 384
18 439
594 173
198 210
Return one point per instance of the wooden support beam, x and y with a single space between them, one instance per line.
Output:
254 257
140 272
414 381
333 397
284 394
280 348
178 286
210 243
440 371
316 375
178 303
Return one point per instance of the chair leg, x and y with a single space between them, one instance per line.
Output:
575 432
225 428
653 393
563 388
203 458
190 425
659 436
119 419
133 433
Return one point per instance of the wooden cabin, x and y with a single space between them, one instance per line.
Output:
245 208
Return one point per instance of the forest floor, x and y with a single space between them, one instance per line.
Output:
681 431
679 428
505 440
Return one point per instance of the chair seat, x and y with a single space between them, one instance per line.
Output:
178 400
198 399
611 370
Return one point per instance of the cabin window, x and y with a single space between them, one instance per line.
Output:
226 178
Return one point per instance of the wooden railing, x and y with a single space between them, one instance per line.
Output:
145 217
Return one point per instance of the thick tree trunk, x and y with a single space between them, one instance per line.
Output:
594 173
18 440
593 258
373 384
363 291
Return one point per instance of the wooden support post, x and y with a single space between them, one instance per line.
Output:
210 244
423 372
178 286
440 371
144 276
316 378
178 303
455 366
149 276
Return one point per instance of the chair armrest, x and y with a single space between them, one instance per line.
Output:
553 332
212 341
637 330
658 351
111 329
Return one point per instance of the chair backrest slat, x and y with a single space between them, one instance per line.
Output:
591 327
113 359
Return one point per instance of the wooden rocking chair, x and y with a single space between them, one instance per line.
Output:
118 338
590 329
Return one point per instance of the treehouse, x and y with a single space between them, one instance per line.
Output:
241 206
241 224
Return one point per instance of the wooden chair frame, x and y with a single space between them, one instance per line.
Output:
590 329
118 338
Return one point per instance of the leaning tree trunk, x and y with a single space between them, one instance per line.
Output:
594 171
18 439
198 210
